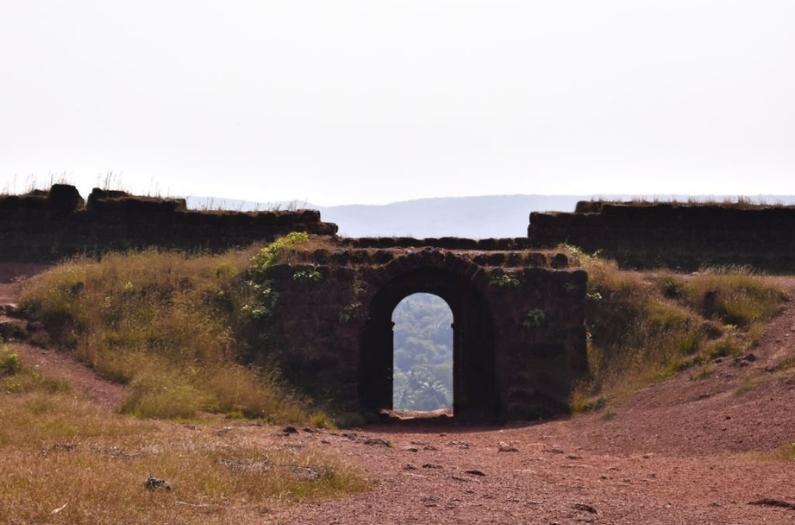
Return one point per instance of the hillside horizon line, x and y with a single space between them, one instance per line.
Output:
475 217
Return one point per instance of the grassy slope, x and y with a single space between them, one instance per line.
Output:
58 451
171 326
644 327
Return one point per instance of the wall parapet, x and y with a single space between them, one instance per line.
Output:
49 225
678 235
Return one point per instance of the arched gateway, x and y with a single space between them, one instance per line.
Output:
473 341
518 336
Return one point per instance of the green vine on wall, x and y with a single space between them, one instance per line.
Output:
261 298
351 312
307 276
505 280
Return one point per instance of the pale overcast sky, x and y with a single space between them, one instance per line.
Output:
374 101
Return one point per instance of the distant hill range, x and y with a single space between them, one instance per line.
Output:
473 217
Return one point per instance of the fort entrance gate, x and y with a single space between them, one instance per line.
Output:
473 341
519 338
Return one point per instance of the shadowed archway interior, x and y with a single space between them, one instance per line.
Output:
474 389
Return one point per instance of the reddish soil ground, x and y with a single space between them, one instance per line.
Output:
12 275
680 452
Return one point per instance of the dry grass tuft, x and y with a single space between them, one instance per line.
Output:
730 296
16 378
788 452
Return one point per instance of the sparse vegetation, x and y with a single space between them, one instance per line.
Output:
9 362
169 325
505 280
786 364
787 452
61 455
644 327
732 296
16 378
726 347
583 403
702 373
308 276
751 383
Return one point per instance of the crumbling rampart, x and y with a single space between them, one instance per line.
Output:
685 236
49 225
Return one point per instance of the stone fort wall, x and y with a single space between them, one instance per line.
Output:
682 236
49 225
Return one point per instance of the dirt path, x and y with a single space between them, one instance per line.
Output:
681 452
82 378
550 479
51 362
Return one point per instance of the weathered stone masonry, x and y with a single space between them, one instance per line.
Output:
674 235
55 224
519 337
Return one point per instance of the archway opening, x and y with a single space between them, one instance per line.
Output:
473 367
422 331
